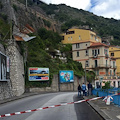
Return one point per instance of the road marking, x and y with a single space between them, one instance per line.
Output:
118 116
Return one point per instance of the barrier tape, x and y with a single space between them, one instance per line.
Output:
28 111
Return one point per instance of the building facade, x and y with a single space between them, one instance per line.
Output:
95 57
79 35
114 52
88 49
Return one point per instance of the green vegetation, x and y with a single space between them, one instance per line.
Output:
107 85
90 76
47 23
4 30
15 7
1 5
39 56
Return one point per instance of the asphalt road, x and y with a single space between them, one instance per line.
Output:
79 111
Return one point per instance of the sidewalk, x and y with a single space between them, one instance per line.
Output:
108 112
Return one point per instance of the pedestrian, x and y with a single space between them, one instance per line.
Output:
89 88
79 90
84 89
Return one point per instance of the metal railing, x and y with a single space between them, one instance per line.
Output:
105 92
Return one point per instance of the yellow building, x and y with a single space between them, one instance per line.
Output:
114 52
79 35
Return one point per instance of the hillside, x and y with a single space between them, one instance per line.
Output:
59 18
70 17
49 21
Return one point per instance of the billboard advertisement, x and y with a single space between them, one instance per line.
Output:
38 74
4 67
66 76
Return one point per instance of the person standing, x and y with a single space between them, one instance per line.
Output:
89 88
79 90
84 89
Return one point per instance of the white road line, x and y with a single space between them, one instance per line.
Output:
118 116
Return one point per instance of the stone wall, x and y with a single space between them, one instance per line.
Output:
16 68
56 86
5 86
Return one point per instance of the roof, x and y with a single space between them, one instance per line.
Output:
98 44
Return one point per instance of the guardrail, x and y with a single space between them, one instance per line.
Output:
105 92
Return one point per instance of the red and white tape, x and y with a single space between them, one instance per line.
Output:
28 111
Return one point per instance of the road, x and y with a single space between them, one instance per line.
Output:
79 111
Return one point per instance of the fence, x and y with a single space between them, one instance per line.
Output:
105 92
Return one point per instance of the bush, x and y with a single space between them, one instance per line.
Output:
15 7
107 85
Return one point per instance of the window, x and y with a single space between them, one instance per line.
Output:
110 72
114 72
77 53
77 45
87 63
114 64
106 63
86 44
70 32
68 38
98 51
97 72
86 52
118 83
96 63
95 52
114 84
106 72
92 52
105 51
79 37
71 37
92 36
62 37
112 54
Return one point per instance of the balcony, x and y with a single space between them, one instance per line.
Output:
100 66
95 56
114 67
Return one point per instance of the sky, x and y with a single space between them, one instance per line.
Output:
105 8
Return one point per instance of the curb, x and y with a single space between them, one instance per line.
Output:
98 110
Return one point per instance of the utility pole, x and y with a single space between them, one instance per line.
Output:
26 4
85 73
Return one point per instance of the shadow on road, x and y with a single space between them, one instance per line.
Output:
84 111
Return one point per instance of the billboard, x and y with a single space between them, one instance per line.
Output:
38 74
4 67
66 76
